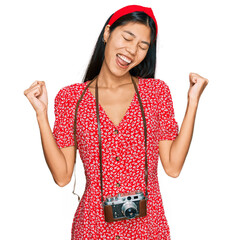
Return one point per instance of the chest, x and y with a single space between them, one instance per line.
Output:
121 122
114 102
118 109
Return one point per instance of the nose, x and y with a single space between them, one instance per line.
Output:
132 49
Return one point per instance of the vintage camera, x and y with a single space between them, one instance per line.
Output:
125 206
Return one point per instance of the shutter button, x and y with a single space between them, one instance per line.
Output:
115 131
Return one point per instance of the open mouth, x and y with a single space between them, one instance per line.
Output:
123 61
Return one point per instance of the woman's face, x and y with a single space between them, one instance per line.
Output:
126 47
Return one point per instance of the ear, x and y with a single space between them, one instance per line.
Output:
106 32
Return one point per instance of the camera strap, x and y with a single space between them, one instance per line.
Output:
99 132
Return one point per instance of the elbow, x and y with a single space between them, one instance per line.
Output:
173 171
63 183
173 174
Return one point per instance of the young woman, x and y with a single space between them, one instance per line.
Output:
125 54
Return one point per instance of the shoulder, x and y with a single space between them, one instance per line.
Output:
70 92
154 85
153 82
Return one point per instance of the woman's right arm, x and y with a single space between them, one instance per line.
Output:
59 160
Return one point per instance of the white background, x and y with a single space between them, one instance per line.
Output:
52 41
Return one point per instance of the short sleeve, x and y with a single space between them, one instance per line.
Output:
63 130
168 126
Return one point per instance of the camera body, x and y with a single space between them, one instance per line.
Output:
125 206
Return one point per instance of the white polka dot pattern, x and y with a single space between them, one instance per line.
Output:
128 168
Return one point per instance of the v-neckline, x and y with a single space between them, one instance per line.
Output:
127 111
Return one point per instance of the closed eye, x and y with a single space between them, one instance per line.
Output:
130 40
143 48
126 39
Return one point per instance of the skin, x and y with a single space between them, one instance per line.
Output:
115 95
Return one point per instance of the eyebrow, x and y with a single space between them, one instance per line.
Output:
132 34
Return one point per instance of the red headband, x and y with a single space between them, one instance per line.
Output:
133 8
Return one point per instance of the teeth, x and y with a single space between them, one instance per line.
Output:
124 58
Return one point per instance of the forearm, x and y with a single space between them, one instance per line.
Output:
180 146
53 155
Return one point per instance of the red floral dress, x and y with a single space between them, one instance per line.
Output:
123 158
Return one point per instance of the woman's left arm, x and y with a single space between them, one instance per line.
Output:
180 146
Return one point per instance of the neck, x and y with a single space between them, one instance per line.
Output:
108 80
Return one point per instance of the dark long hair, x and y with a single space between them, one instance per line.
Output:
146 69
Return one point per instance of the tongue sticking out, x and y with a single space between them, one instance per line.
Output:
122 62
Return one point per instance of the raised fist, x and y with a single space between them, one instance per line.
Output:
37 95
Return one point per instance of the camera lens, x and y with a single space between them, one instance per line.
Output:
129 209
130 213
